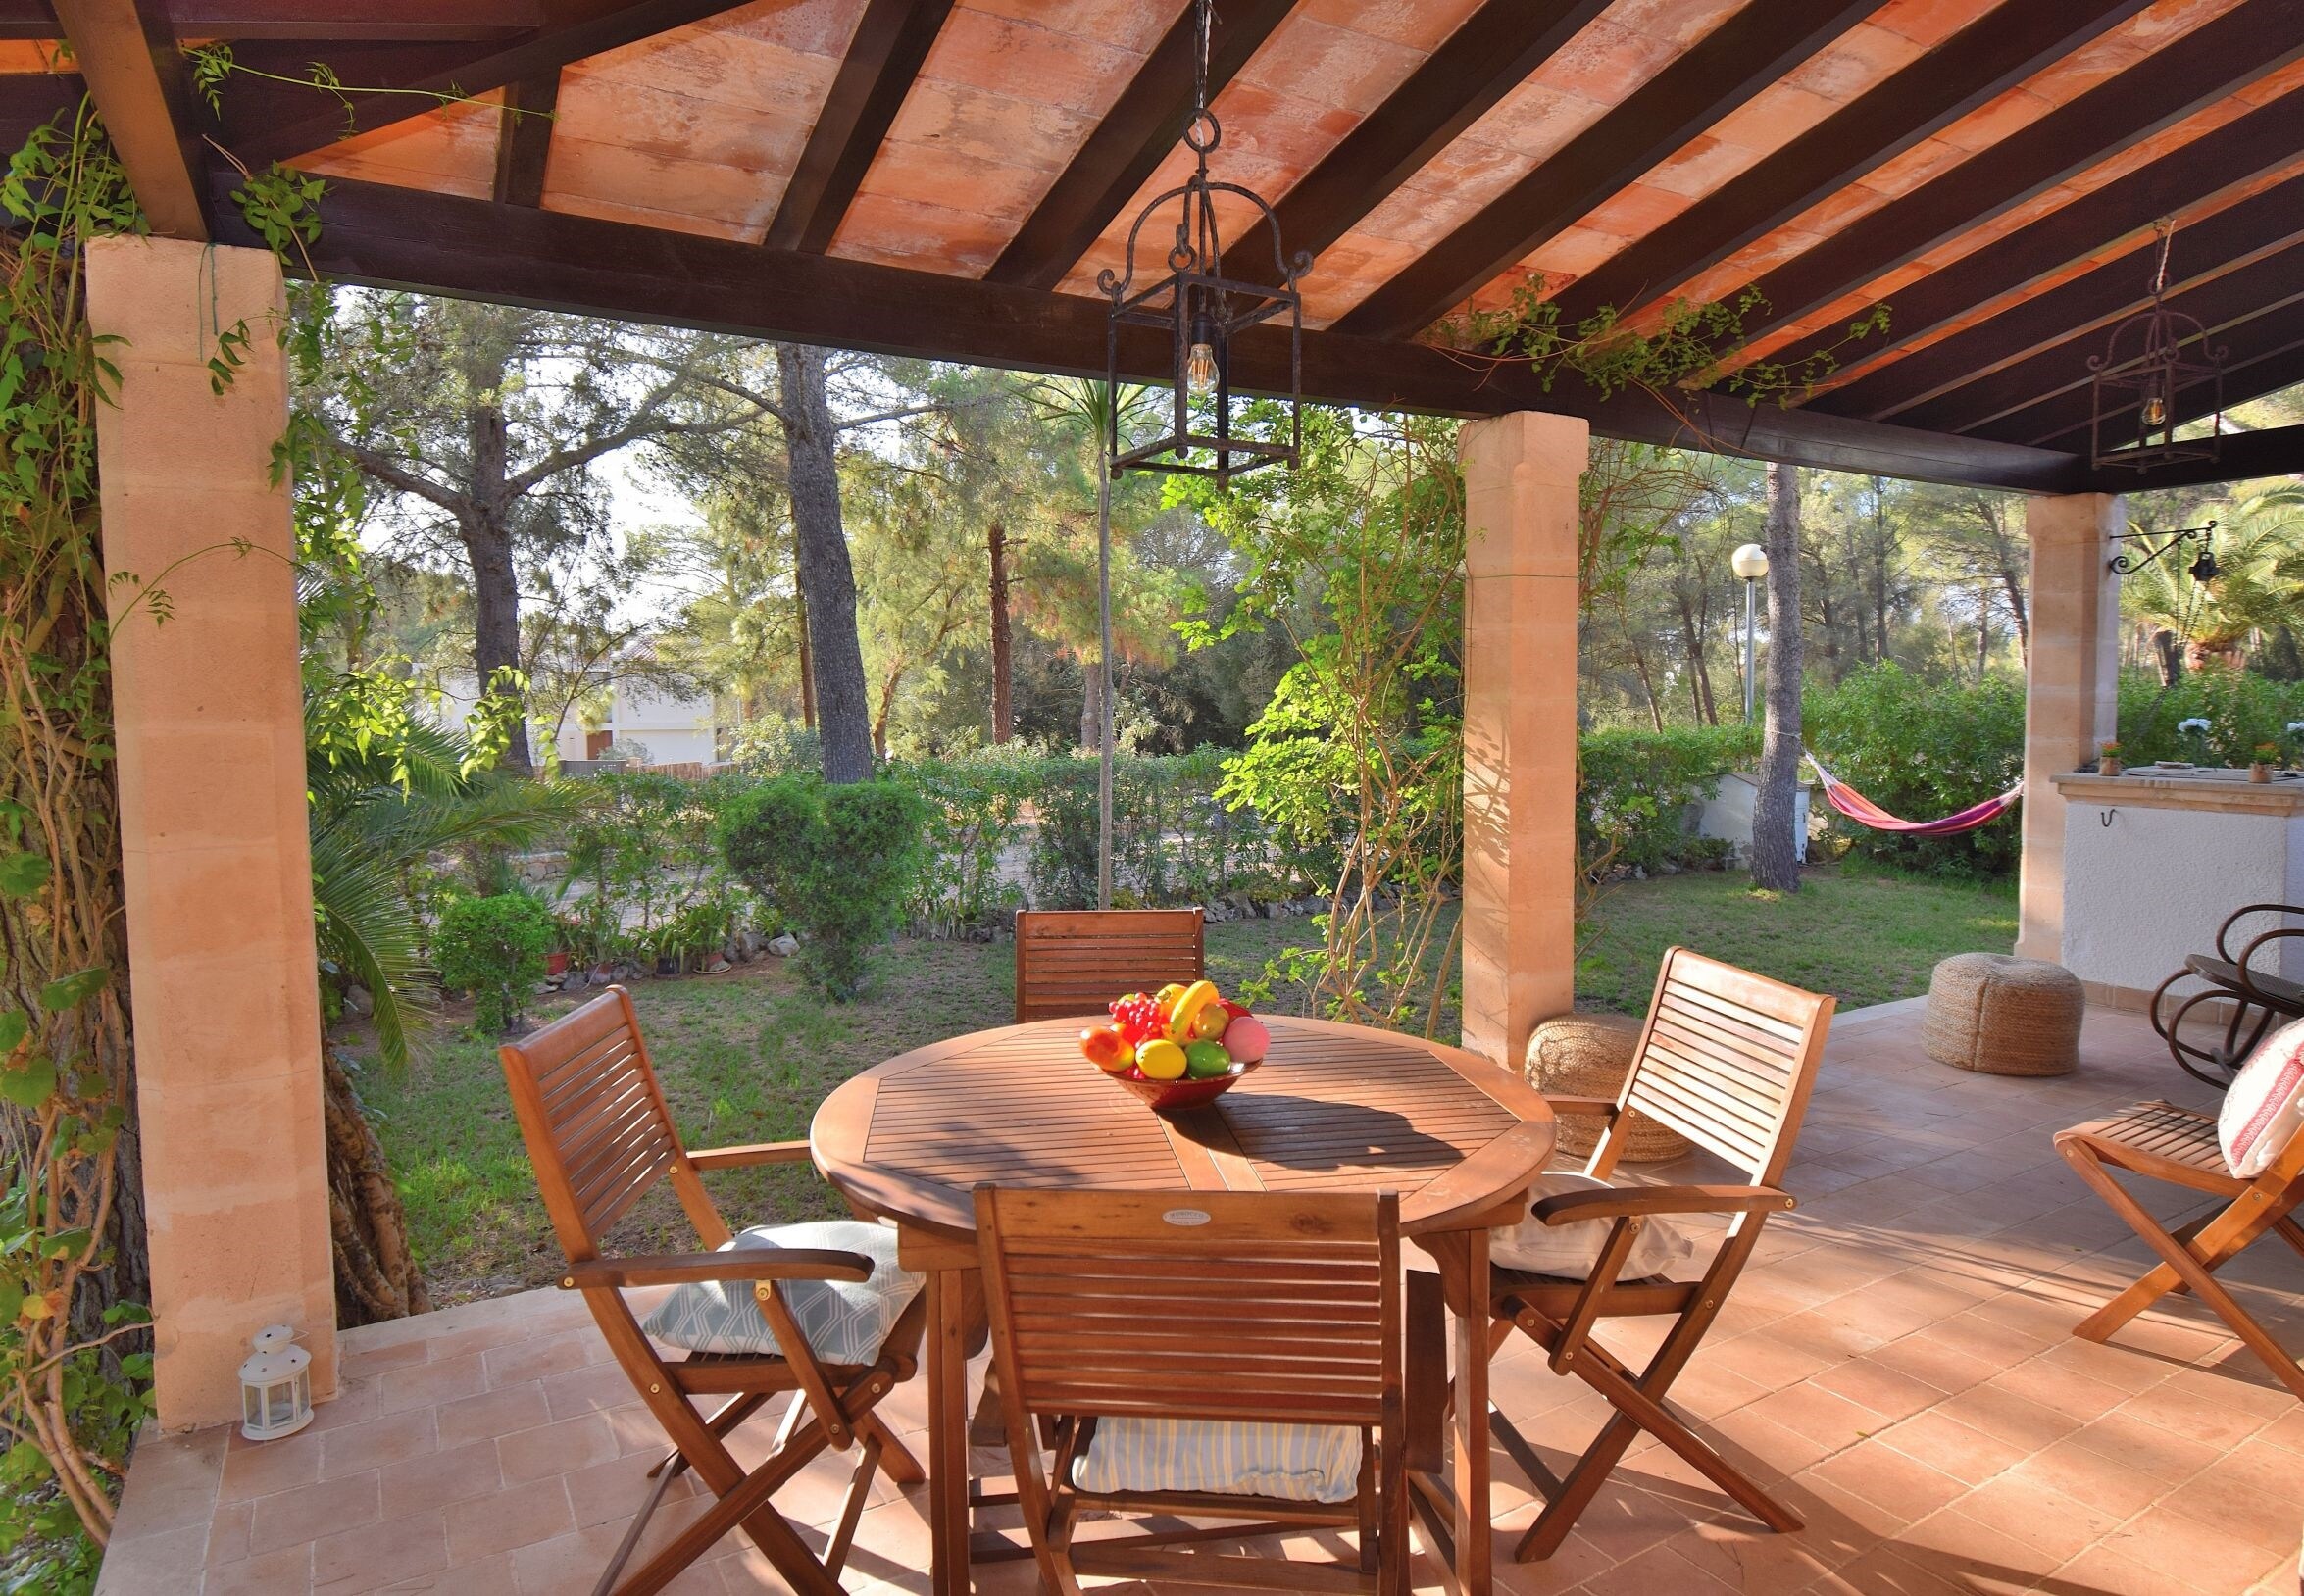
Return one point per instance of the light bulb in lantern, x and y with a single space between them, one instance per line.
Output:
2156 412
1200 370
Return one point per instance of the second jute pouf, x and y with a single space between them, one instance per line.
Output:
2001 1016
1588 1055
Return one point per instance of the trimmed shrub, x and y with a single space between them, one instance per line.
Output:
1636 789
838 863
1920 750
2241 709
496 947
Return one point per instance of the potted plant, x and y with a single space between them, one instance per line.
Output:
2267 755
2108 760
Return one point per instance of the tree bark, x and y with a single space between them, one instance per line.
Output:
828 581
1776 864
807 669
1091 704
485 527
1003 639
376 1277
1699 674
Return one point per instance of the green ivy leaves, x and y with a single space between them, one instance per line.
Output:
72 990
24 874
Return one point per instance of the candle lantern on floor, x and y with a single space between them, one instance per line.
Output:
275 1385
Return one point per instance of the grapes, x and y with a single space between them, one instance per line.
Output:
1138 1017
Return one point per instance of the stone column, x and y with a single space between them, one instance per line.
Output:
2072 679
1520 684
213 832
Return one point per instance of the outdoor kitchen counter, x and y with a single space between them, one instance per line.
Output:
2230 791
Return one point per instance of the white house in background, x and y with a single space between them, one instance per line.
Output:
667 728
1728 814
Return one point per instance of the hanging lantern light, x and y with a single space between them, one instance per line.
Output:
1203 312
275 1385
2153 363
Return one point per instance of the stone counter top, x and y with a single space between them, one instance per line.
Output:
2227 792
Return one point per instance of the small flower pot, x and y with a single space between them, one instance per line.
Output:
555 965
2108 766
2260 772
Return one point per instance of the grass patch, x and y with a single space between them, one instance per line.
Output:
747 1056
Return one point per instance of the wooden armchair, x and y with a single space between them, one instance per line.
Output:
1727 1059
601 1136
1075 961
2253 995
1130 1310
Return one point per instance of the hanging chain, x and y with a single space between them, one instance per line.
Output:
1207 11
2165 228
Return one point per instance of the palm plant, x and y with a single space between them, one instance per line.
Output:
2260 560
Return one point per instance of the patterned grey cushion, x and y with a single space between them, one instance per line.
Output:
844 1322
1295 1462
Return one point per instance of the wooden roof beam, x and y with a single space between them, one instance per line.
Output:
1992 54
1727 67
1492 53
2246 43
127 54
311 19
892 39
524 140
1128 144
30 99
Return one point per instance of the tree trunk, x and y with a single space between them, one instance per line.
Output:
1776 864
1984 632
376 1277
807 669
1091 704
1003 640
1699 676
495 638
828 580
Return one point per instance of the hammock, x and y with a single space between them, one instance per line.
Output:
1864 812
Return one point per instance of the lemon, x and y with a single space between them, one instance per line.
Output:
1161 1060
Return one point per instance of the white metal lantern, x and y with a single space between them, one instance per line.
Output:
275 1385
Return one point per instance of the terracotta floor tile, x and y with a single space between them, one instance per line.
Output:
2189 1554
491 1414
2194 1418
154 1565
518 1516
275 1466
2087 1474
427 1385
2259 1518
360 1561
461 1474
1886 1572
521 1361
2057 1526
555 1449
286 1572
392 1438
1891 1479
1658 1568
2019 1420
1944 1443
309 1512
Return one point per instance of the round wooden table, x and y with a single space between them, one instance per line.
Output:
1333 1108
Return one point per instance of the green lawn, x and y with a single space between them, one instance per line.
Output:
749 1055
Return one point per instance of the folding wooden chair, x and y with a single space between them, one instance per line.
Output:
1727 1059
1076 961
2179 1146
601 1135
1220 1306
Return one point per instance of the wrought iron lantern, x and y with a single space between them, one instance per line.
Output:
2153 365
1203 312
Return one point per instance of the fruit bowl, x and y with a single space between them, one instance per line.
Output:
1178 1049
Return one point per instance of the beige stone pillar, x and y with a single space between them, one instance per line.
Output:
2072 679
218 864
1520 681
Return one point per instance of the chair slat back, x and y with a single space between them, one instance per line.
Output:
1727 1058
597 1127
1197 1305
1076 961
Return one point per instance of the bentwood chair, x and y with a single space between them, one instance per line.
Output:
2179 1146
1727 1059
1232 1357
1076 961
2244 982
601 1136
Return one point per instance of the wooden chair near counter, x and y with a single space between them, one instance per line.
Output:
601 1136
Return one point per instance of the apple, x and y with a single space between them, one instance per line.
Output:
1107 1049
1205 1060
1210 1023
1247 1039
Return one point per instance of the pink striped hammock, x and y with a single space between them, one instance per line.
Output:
1864 812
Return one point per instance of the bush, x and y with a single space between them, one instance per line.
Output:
656 886
496 947
2241 709
838 863
1920 750
1637 788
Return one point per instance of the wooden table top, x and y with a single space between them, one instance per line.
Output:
1333 1108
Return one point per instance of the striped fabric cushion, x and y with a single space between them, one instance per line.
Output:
2265 1105
844 1320
1295 1462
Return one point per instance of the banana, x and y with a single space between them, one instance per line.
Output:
1197 996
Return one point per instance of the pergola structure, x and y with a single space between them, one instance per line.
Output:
944 179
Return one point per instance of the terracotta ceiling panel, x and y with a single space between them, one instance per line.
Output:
1007 97
451 150
697 130
29 55
1321 72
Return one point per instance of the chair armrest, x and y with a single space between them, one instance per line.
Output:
763 1151
737 1264
1571 1207
1564 1103
2282 910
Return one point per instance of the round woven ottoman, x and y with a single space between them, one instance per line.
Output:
2000 1015
1587 1054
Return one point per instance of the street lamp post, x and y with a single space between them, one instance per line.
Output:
1749 562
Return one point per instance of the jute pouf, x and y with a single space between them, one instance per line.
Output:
2000 1015
1587 1054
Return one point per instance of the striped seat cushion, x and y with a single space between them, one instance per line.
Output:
844 1320
1295 1462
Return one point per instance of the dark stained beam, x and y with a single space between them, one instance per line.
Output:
30 99
1992 54
891 41
2268 139
1492 53
1726 68
2235 237
434 244
2263 353
479 19
138 77
1129 143
2023 399
29 20
524 141
2272 451
576 30
2244 44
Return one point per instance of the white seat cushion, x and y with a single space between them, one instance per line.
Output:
1570 1251
844 1320
1295 1462
2265 1107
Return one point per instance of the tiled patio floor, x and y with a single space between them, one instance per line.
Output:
1897 1366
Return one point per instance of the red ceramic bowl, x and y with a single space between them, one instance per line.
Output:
1176 1096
